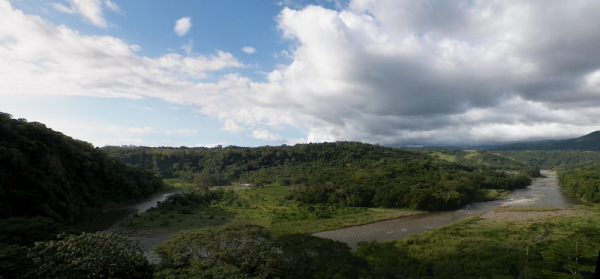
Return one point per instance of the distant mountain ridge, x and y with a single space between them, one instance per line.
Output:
590 142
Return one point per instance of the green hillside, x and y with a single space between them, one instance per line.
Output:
341 173
588 142
45 173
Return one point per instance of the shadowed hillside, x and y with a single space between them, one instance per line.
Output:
45 173
588 142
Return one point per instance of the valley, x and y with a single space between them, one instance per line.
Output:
344 209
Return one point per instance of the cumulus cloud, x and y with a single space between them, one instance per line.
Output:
400 72
182 26
264 134
248 49
385 71
63 62
90 10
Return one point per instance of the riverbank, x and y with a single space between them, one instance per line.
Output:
269 208
542 193
266 206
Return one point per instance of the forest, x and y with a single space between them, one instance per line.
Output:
47 179
45 173
345 173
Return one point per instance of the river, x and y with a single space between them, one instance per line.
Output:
542 192
102 219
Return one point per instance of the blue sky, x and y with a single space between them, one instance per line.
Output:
271 72
226 25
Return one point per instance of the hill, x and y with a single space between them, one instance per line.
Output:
590 142
45 173
340 173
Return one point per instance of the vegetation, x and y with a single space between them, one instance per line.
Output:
45 173
267 207
249 251
230 252
588 142
553 159
564 246
88 255
305 256
46 179
583 183
341 174
558 247
485 160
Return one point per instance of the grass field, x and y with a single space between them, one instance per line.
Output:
265 206
507 242
564 246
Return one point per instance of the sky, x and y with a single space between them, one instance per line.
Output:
273 72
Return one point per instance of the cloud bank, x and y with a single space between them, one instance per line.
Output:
383 71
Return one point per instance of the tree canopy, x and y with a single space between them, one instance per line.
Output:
339 173
45 173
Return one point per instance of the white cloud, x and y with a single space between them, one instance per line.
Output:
182 26
119 130
90 10
64 62
263 134
212 145
385 71
232 126
62 8
135 47
195 66
182 132
188 47
112 5
248 49
398 72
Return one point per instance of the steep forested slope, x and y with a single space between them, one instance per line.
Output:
45 173
588 142
554 159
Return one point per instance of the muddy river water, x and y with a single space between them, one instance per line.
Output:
102 219
542 192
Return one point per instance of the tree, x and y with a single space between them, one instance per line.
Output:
306 256
89 255
240 251
388 261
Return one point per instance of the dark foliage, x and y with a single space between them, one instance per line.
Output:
387 261
249 251
45 173
554 159
89 255
583 182
305 256
240 251
590 142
